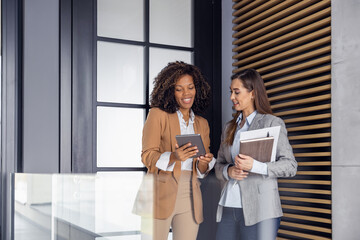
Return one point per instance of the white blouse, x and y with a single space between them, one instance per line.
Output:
163 162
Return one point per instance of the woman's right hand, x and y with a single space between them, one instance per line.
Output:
184 152
236 173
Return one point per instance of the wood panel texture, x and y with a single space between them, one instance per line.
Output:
289 43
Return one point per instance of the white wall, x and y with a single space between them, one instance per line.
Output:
226 59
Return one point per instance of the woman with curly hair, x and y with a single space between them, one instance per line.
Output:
180 94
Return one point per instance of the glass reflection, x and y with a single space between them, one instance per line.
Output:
85 206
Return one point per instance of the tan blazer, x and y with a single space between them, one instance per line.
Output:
159 134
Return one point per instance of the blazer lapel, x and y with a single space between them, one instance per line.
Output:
196 123
174 128
255 123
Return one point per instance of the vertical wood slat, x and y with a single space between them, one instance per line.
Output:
294 61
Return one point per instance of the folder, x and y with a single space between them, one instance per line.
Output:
262 133
259 149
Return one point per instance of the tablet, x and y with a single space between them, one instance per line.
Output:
194 139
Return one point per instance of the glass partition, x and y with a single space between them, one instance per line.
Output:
79 206
121 19
115 146
120 73
171 22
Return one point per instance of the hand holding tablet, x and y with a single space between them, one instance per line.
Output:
194 139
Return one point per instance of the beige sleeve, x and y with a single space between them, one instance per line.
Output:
151 139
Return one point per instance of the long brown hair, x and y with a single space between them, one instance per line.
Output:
251 80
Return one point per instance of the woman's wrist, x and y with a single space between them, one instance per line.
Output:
228 171
172 158
202 166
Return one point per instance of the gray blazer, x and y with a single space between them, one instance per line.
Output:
259 193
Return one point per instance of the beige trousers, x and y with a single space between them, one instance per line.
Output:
181 220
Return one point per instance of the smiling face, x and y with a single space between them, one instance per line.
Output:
241 97
185 93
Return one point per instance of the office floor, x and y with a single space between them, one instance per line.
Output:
26 230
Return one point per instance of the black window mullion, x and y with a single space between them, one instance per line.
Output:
145 44
146 55
172 47
120 105
121 169
117 40
95 105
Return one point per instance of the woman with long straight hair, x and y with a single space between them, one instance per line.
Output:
249 207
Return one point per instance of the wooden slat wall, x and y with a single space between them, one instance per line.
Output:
288 42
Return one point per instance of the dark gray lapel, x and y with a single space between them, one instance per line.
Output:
255 123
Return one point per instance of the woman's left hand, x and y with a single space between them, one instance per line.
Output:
206 158
203 162
244 162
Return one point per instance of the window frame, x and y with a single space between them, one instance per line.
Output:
207 45
147 45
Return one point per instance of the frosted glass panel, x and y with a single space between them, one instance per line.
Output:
120 76
159 58
171 22
114 202
125 237
92 204
121 19
119 132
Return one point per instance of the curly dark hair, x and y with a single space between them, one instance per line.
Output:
163 94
